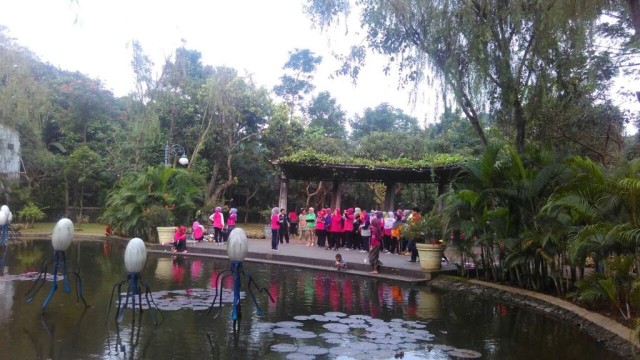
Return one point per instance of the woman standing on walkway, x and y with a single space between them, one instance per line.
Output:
335 231
302 226
365 232
218 224
275 226
231 222
377 226
311 225
321 232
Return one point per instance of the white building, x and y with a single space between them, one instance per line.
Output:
9 152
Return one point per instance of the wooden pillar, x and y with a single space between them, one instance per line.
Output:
284 190
336 194
389 196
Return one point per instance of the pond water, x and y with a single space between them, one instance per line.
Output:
316 315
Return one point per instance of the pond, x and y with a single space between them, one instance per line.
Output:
316 315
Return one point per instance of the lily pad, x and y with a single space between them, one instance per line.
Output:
284 348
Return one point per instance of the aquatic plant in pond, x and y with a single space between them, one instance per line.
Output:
359 337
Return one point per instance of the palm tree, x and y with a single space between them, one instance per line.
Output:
160 196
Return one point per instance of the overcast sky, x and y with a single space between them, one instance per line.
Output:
253 36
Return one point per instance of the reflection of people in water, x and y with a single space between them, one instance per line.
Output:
178 269
196 269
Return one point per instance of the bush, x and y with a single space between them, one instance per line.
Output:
30 213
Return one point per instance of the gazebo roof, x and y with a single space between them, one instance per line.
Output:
318 167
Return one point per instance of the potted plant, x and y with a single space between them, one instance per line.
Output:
427 233
158 217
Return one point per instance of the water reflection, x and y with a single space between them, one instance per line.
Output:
455 320
429 306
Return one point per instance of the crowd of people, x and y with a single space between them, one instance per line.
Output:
351 229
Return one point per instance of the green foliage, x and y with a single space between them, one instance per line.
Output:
30 213
158 215
384 118
430 229
326 116
297 82
140 200
617 285
314 158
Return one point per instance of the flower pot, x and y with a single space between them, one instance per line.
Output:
165 234
430 256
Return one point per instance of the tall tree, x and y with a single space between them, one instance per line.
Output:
384 118
326 115
485 52
297 82
239 110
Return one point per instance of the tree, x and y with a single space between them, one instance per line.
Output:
138 197
282 136
485 52
384 118
326 116
238 110
83 173
297 83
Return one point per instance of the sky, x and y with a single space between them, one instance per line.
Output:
252 36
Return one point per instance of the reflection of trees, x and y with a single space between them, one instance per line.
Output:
30 257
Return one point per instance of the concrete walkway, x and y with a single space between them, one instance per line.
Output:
394 267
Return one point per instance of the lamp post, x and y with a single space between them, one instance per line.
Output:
174 150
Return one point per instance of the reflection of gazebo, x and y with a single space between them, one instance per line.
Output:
323 169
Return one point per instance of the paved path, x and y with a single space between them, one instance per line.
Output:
394 267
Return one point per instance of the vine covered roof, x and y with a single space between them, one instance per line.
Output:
313 166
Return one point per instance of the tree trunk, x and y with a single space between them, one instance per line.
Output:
66 199
312 194
634 12
520 125
223 187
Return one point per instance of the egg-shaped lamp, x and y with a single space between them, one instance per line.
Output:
135 255
238 245
62 234
4 208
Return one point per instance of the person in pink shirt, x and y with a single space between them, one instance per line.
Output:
197 231
231 221
348 230
180 240
336 229
275 226
218 224
377 229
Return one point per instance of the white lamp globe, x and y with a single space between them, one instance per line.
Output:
4 208
135 255
183 160
238 245
3 218
62 234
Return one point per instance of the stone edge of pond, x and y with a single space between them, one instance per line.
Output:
615 336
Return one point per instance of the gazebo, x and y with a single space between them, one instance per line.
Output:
310 166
